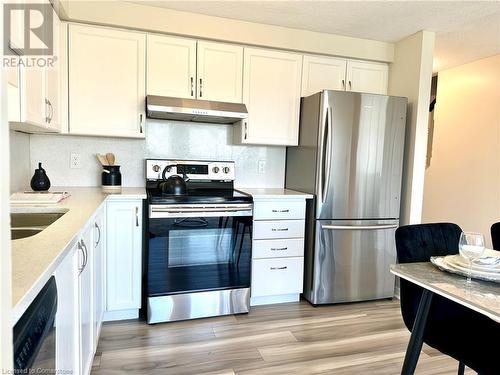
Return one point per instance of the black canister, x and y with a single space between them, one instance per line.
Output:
111 178
40 181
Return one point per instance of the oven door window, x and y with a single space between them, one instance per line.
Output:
198 254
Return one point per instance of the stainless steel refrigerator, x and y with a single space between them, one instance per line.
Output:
350 156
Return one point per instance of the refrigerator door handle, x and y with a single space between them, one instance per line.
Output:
359 227
325 154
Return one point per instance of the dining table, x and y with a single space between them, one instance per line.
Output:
480 296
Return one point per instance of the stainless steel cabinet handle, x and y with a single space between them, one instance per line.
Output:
201 87
279 229
80 267
47 110
137 216
51 111
279 268
350 85
359 227
246 132
141 116
279 248
343 84
192 86
99 232
86 253
286 210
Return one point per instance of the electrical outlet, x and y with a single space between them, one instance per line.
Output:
261 167
75 161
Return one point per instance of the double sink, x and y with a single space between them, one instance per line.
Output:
26 224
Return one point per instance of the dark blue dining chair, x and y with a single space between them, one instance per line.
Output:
451 328
495 236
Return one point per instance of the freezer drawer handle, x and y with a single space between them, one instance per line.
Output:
281 210
359 227
278 268
279 248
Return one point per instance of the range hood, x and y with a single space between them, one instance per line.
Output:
167 108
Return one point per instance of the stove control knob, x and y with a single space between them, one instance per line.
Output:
215 169
226 169
156 168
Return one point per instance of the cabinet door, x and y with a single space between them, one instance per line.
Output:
123 255
53 74
67 317
219 72
322 73
271 92
99 267
34 108
171 66
85 284
365 76
106 81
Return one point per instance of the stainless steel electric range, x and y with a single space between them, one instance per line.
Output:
198 244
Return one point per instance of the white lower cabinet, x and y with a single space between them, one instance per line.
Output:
123 259
99 270
85 299
80 289
67 330
277 250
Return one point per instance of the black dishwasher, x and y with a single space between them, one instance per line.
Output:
34 333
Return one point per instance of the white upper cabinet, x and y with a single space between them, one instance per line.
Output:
366 76
106 81
35 89
219 72
171 66
271 92
322 73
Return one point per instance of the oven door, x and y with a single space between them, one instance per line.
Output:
198 248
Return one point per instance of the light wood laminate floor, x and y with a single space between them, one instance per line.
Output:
294 338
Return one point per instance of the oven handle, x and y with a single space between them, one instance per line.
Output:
200 209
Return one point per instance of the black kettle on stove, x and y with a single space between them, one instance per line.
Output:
174 184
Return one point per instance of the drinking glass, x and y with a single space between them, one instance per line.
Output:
471 246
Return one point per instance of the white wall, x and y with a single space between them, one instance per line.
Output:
5 253
20 166
410 75
462 183
164 139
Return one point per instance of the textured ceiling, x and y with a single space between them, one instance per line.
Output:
465 30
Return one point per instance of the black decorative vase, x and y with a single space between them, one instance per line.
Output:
40 181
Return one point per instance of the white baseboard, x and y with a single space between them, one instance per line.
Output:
110 316
268 300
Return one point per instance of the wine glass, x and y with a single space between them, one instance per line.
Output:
471 246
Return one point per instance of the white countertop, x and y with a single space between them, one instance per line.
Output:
35 258
267 193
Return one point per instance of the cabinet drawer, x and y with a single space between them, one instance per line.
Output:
277 276
279 209
263 230
289 247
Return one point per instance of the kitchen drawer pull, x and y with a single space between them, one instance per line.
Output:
278 268
359 227
286 210
192 86
279 248
246 132
279 229
201 87
136 216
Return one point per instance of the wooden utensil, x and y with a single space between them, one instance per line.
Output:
111 158
102 159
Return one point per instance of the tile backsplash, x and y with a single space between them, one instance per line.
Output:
20 172
164 139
